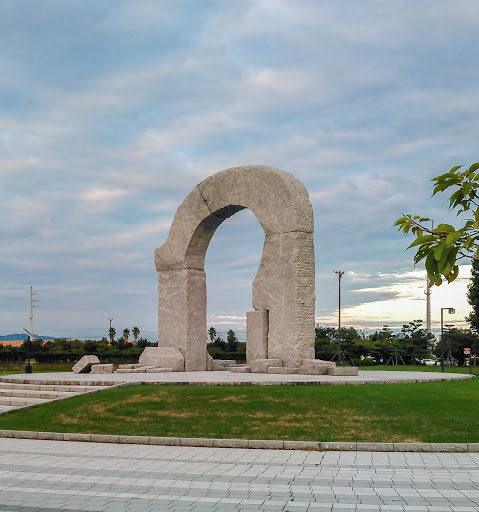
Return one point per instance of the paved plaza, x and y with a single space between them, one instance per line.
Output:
52 476
226 377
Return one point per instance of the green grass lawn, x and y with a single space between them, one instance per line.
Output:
423 412
418 368
11 368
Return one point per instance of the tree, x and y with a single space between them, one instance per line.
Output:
136 333
231 341
444 245
126 333
212 334
473 297
112 334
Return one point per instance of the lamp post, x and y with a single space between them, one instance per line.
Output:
340 274
451 311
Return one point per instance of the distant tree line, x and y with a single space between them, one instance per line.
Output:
70 351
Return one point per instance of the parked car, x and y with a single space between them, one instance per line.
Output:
430 362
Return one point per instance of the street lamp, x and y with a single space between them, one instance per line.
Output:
451 311
340 274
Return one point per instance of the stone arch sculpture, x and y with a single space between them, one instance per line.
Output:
282 323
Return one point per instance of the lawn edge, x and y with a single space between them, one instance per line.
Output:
271 444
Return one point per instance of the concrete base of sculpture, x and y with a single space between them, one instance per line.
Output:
163 357
84 364
343 371
102 368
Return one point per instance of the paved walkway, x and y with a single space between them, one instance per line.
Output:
224 377
53 476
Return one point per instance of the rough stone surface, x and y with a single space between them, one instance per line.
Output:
307 369
102 368
283 289
162 357
256 335
282 369
240 369
84 364
343 370
209 361
262 365
319 362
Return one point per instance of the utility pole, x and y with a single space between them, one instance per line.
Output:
340 274
32 300
111 319
428 304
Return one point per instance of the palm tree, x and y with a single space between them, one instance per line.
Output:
212 334
126 333
136 332
111 334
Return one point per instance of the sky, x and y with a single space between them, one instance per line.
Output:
111 112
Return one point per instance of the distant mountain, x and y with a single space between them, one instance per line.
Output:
22 336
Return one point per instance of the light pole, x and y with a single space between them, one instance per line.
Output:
340 274
451 311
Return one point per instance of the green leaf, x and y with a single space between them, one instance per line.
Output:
473 168
452 238
438 252
453 275
445 228
422 240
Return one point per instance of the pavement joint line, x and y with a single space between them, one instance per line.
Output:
272 444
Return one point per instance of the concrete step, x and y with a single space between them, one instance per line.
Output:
20 402
31 393
49 387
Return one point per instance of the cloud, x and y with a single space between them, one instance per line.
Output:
112 113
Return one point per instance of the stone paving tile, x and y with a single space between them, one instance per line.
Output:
47 476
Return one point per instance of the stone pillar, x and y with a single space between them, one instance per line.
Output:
257 335
182 314
284 285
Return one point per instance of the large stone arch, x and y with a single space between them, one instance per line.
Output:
282 325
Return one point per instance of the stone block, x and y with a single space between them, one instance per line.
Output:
102 368
209 360
319 362
338 446
412 447
313 370
134 440
73 436
217 365
165 441
375 447
84 364
267 444
262 365
128 366
257 323
449 447
282 370
197 441
230 443
240 369
343 371
302 445
473 447
163 357
159 370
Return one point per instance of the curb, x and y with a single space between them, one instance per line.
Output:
246 443
336 382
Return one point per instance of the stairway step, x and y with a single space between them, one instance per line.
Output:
49 387
19 402
31 393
